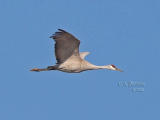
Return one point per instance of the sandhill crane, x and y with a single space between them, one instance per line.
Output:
68 57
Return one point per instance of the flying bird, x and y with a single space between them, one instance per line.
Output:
68 57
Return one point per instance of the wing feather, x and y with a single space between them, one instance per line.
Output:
66 45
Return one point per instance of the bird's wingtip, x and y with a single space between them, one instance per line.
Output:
61 30
51 36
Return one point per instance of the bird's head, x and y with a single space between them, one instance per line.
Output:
113 67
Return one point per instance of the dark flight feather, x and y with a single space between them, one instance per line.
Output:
66 45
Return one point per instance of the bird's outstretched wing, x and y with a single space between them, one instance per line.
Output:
66 45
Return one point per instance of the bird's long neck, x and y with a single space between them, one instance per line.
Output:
101 67
95 67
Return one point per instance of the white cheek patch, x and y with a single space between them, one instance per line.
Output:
113 67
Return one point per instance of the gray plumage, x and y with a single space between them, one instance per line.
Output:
68 57
66 45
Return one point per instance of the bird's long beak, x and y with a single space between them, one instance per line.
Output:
117 69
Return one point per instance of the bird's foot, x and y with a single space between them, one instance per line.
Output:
35 69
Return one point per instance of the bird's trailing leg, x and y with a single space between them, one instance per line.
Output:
44 69
38 70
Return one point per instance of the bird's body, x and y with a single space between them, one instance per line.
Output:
68 57
73 64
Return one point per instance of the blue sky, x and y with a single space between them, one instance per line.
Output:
121 32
